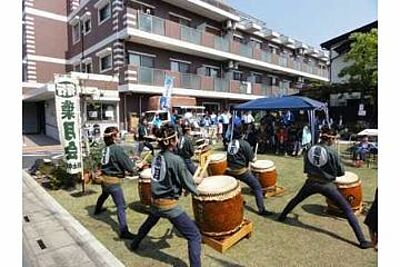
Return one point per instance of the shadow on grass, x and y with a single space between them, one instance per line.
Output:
320 210
295 222
222 262
151 247
104 216
139 207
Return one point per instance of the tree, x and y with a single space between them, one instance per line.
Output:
363 56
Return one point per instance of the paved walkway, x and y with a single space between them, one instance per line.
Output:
52 237
39 143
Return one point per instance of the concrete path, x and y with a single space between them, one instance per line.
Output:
52 237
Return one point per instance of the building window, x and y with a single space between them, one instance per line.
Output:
180 20
257 77
101 111
238 39
105 63
88 67
104 13
87 26
76 33
256 44
141 60
179 66
77 68
213 72
237 75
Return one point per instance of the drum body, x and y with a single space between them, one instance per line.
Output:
266 173
218 210
218 164
350 186
144 187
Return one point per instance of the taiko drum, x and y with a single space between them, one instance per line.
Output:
218 209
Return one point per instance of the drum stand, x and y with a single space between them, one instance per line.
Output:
221 244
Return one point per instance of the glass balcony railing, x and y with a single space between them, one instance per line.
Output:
155 77
152 24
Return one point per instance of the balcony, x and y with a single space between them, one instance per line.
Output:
209 45
132 74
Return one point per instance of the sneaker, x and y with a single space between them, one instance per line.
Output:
97 212
126 235
365 245
265 213
135 244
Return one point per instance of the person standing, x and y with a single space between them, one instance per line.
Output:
322 165
239 156
169 177
114 163
225 124
248 118
142 141
185 148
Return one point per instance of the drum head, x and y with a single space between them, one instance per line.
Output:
218 184
146 174
347 178
262 164
217 157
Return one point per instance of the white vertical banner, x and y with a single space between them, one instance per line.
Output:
68 120
165 101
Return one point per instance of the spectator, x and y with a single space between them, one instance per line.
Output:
361 150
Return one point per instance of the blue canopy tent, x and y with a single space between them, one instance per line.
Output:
287 103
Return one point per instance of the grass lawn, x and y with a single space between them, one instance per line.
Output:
309 237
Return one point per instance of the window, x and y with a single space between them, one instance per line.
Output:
256 43
179 66
76 33
100 111
87 26
88 68
238 39
179 19
105 63
77 68
257 77
141 60
104 13
237 75
213 72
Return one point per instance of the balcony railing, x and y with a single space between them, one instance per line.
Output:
156 25
155 77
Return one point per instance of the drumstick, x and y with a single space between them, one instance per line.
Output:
196 173
256 150
145 157
204 169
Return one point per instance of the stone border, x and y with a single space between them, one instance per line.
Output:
97 252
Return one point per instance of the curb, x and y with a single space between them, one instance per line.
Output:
96 251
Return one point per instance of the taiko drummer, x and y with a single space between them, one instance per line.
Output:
185 148
169 177
322 165
240 154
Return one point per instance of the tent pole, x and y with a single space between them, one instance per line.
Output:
312 124
232 123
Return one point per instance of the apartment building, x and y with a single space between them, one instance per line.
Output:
122 50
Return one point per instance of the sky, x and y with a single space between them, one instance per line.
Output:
310 21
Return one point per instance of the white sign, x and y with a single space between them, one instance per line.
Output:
68 121
168 84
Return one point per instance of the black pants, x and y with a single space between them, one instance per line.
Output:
186 226
118 197
330 191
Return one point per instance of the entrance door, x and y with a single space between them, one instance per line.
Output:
33 118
